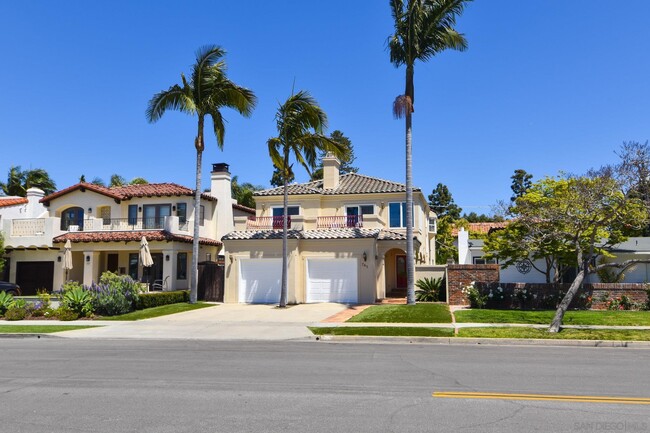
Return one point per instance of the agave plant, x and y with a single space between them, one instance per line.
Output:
6 301
78 300
428 289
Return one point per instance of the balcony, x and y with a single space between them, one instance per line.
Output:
335 222
119 224
266 223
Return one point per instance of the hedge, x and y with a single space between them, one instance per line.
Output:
156 299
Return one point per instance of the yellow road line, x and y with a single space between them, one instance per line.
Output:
544 397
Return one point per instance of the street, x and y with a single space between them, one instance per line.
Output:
77 385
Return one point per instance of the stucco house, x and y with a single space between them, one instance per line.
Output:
346 241
105 227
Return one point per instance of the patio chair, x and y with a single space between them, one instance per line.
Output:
160 284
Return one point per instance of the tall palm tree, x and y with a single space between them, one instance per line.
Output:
19 181
423 28
205 94
300 122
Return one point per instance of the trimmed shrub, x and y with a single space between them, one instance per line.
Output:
114 295
16 313
149 300
65 314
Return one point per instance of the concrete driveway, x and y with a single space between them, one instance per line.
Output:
221 322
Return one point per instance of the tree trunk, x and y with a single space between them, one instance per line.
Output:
197 214
410 260
573 289
285 261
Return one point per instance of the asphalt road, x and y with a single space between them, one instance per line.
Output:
61 385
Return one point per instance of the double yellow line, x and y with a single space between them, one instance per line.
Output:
544 397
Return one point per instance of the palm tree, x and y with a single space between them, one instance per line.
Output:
19 181
423 28
300 122
205 94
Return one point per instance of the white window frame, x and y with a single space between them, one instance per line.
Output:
485 261
288 207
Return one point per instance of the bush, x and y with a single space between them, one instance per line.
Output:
429 289
6 301
78 300
16 313
70 285
149 300
66 314
476 298
114 295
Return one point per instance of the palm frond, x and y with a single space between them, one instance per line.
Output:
207 57
218 126
173 99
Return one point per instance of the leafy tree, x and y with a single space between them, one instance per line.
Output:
300 123
634 172
473 217
442 203
243 193
278 179
19 181
139 181
423 28
445 248
521 181
204 95
116 180
347 158
576 218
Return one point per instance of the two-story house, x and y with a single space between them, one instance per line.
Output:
346 241
106 225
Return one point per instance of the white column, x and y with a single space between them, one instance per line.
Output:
91 267
169 267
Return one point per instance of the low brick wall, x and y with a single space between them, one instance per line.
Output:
602 292
459 276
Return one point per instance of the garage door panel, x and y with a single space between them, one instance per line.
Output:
260 280
332 280
33 276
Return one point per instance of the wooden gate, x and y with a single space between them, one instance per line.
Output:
211 282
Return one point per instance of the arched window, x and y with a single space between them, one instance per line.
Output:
74 217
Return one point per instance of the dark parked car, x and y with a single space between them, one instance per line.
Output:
11 288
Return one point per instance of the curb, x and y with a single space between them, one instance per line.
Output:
461 341
28 335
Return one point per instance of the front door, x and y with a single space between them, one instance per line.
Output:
111 263
400 271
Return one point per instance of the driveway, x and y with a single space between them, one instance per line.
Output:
221 322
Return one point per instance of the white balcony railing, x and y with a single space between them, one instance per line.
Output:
28 227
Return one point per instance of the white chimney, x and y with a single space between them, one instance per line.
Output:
220 187
464 257
331 165
34 208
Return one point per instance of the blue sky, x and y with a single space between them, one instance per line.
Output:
546 85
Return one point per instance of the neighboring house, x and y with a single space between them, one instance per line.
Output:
470 251
105 227
346 241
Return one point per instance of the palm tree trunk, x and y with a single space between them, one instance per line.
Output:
285 262
410 260
197 215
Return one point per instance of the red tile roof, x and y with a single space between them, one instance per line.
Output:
127 192
130 236
482 228
12 201
243 208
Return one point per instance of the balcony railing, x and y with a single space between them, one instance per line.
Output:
267 223
28 227
335 222
123 224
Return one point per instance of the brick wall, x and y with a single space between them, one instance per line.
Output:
636 292
459 276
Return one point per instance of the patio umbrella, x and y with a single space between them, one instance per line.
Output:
145 254
67 258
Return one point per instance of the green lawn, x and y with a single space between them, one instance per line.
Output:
39 329
567 334
613 318
419 313
163 310
385 331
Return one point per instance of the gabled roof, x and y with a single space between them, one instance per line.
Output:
130 236
127 192
350 183
339 233
12 201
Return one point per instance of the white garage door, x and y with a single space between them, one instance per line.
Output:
332 280
259 280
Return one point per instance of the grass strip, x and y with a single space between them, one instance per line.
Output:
386 331
611 318
566 334
39 329
162 310
419 313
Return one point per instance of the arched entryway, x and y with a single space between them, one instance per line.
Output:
395 273
72 219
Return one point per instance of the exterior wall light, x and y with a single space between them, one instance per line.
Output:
167 258
90 210
365 256
87 259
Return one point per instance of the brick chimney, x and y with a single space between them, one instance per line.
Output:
220 187
331 165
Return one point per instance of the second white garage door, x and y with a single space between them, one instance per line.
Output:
259 280
332 280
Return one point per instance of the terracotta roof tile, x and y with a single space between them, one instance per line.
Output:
243 208
350 183
483 228
130 236
127 192
12 201
338 233
260 234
